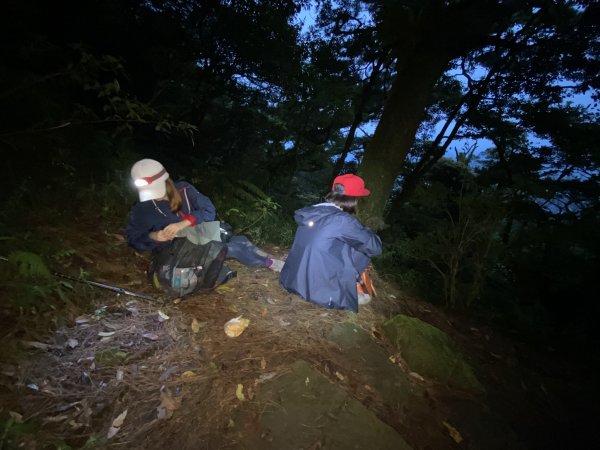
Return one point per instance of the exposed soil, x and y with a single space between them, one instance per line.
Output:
299 376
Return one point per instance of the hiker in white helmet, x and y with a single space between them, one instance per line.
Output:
170 209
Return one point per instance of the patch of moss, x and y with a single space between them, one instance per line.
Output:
431 353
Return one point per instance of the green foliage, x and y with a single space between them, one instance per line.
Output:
29 282
29 265
253 213
442 239
12 431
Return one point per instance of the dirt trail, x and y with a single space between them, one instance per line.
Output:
299 376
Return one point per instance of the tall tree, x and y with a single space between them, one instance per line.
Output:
428 37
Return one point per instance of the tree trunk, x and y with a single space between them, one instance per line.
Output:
446 30
403 112
358 117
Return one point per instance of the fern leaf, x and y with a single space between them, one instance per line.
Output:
29 264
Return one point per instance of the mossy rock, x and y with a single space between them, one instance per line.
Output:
431 353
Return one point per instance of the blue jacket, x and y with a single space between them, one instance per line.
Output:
154 215
330 250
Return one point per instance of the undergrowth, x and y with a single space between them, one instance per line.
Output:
255 214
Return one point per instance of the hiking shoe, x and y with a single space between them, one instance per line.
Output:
363 299
277 265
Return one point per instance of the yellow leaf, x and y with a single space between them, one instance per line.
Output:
223 288
236 326
187 374
195 326
454 434
265 311
239 394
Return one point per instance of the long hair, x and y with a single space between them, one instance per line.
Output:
174 196
347 203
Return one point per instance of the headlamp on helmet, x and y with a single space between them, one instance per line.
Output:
145 181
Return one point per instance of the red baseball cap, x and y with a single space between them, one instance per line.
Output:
354 186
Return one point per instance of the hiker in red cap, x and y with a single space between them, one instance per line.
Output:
331 249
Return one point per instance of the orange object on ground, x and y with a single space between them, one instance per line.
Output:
364 284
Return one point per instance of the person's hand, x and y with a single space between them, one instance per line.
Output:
171 230
160 236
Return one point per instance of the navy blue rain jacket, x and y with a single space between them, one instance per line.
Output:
331 248
149 216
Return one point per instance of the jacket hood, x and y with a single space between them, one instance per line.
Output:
315 213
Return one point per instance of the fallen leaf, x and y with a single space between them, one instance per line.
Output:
306 381
236 326
118 237
264 311
82 319
339 376
162 316
222 289
167 373
195 326
72 343
116 425
112 326
151 336
263 363
231 423
270 301
416 376
119 419
35 344
75 425
106 333
392 359
239 394
134 311
283 323
265 377
454 433
55 419
187 374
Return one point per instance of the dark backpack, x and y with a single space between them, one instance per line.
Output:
181 267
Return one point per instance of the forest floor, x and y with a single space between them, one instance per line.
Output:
116 371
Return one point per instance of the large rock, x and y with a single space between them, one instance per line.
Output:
431 353
304 410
